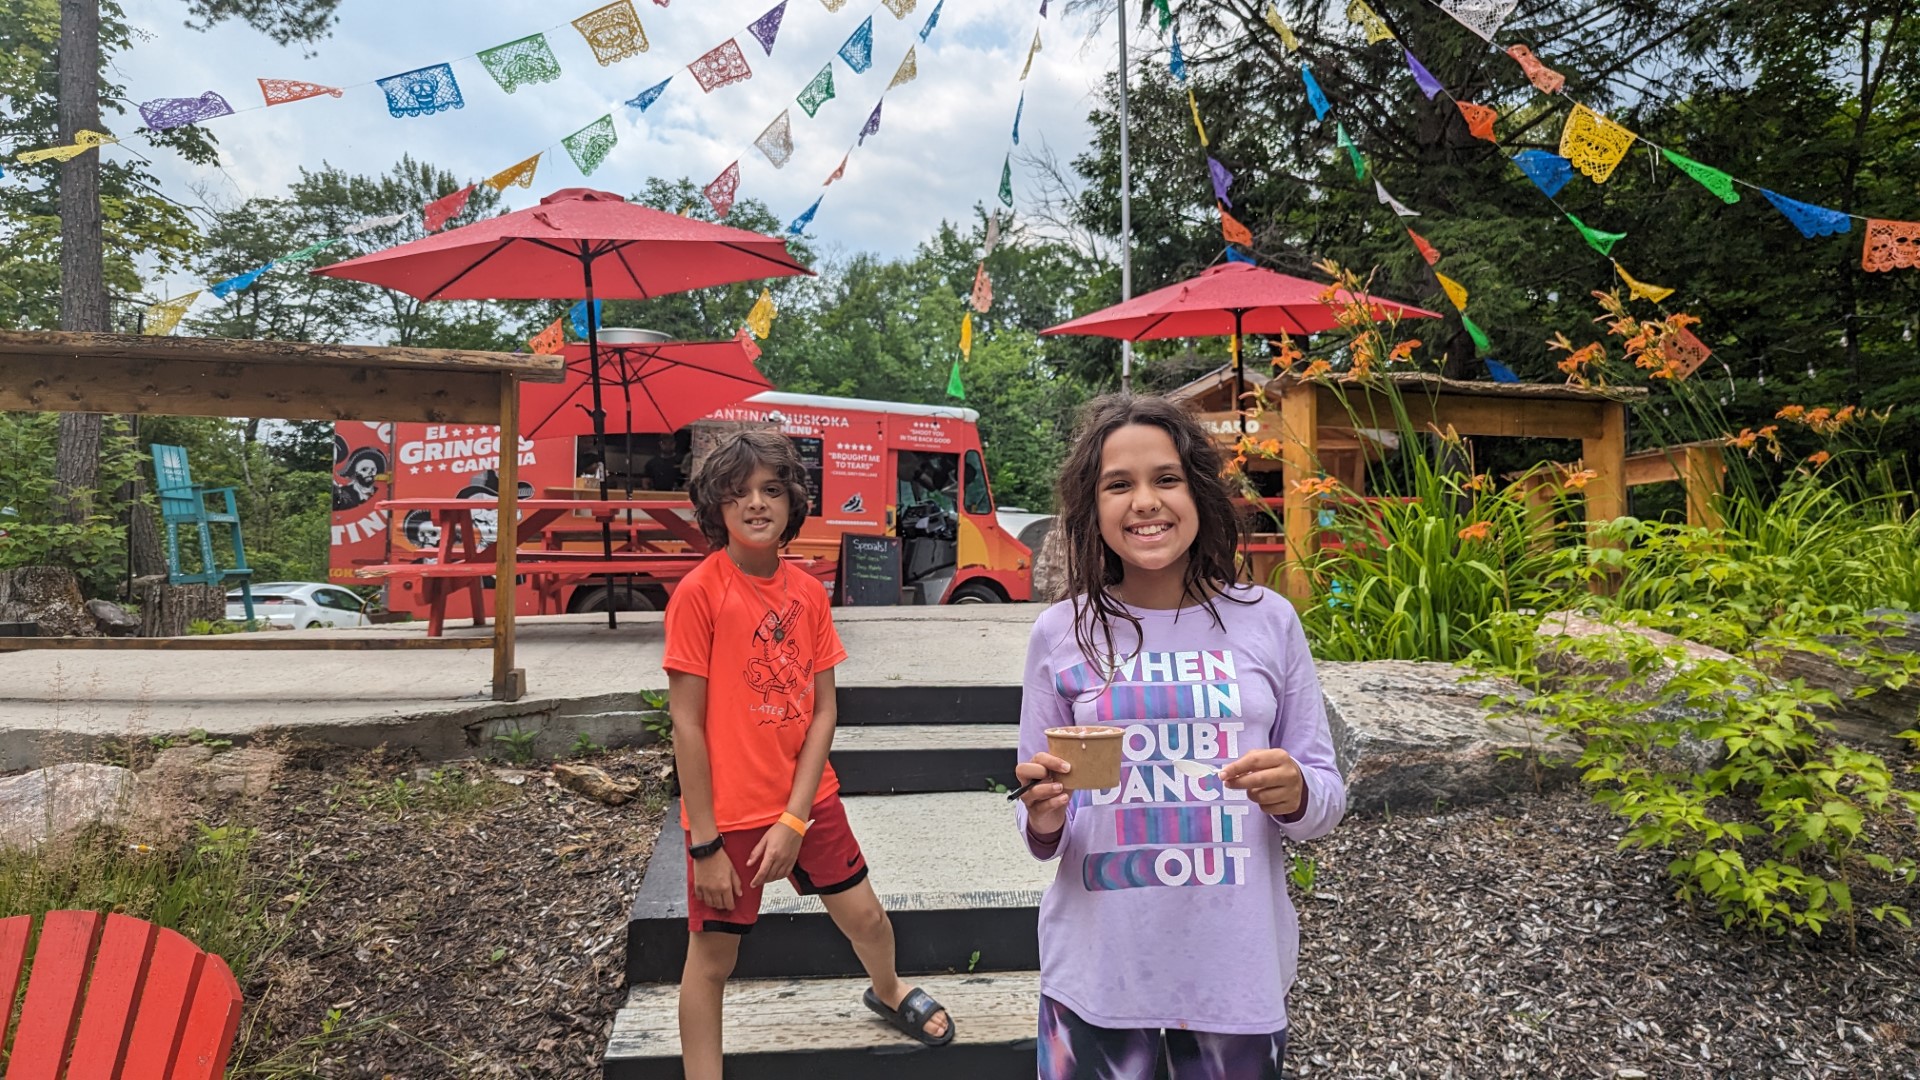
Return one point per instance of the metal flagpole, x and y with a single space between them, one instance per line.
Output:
1126 205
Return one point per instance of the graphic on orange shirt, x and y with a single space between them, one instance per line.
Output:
776 671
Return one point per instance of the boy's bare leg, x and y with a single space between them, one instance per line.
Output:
703 985
858 914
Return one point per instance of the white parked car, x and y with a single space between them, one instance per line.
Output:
300 605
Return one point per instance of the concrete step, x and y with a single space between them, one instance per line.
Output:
949 868
899 759
905 703
783 1029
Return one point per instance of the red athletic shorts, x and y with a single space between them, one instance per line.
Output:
830 862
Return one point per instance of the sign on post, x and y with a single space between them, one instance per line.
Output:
869 573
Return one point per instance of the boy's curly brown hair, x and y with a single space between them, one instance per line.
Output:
722 478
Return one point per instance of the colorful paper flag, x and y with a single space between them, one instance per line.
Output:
777 141
956 389
522 62
1359 14
908 70
1709 177
1234 256
1483 17
645 98
422 91
722 65
1544 79
933 20
1235 232
993 234
1222 179
766 28
165 114
1812 221
1480 119
833 5
1594 143
1640 289
1198 126
281 91
367 224
235 284
1686 351
799 224
1427 251
744 339
1600 240
858 50
1175 62
521 175
1315 96
838 172
577 315
1500 371
1006 180
1891 245
590 146
1549 172
1455 291
307 254
1032 51
721 191
966 335
900 8
1288 40
613 32
444 209
872 126
1380 192
1429 85
1019 111
550 341
760 319
83 141
1341 139
982 289
1478 335
818 92
1166 14
163 317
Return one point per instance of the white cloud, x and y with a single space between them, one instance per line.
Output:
938 152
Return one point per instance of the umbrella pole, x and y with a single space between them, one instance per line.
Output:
599 430
1239 375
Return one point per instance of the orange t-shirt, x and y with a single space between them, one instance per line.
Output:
758 644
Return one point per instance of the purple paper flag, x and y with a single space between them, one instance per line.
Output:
1222 179
873 123
1428 84
767 27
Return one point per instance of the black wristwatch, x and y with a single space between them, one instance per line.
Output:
711 847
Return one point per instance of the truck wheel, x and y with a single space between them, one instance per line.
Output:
595 599
976 592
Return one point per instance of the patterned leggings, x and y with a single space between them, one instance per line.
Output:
1072 1049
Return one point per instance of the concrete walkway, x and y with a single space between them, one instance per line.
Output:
581 677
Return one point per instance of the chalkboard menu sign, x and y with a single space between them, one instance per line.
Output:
810 461
869 574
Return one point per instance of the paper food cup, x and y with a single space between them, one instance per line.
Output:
1094 753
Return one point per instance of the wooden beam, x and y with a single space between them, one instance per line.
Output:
1606 458
266 641
1299 455
1704 473
189 387
49 347
509 682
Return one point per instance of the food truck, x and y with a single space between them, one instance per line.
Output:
914 472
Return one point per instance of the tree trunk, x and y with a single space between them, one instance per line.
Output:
83 291
171 610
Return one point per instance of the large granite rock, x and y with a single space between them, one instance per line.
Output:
1563 667
1871 721
1411 735
47 803
198 771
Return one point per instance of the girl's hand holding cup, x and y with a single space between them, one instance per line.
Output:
1046 799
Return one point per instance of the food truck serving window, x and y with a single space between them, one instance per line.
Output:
810 458
979 499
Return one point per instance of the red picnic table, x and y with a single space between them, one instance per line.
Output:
660 541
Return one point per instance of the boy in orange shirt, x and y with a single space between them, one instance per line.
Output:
750 655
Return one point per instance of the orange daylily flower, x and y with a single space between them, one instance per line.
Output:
1794 413
1324 485
1317 369
1476 531
1270 448
1478 482
1819 458
1403 352
1575 481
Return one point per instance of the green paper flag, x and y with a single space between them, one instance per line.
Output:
1359 163
1166 16
1710 178
1006 181
954 387
1601 242
1478 335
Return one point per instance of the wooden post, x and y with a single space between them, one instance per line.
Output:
509 682
1537 492
1606 456
1299 451
1704 474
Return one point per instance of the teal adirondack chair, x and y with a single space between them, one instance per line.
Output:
183 504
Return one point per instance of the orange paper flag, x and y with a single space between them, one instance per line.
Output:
1479 119
548 341
1235 232
1427 251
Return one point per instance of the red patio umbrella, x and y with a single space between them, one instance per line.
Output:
664 385
578 243
1232 298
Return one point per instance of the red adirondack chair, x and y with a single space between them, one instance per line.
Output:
155 1006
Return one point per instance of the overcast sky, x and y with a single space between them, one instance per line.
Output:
938 152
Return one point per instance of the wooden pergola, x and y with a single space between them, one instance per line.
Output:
45 371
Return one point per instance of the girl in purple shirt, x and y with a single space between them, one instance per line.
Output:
1168 940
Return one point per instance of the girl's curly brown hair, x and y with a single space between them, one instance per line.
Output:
1092 567
722 478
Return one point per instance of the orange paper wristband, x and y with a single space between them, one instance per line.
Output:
793 823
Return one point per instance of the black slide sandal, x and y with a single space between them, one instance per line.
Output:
911 1018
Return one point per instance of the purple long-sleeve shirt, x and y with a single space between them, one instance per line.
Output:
1170 907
